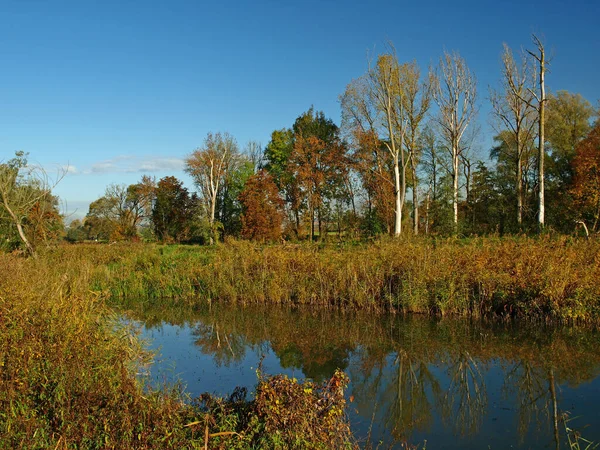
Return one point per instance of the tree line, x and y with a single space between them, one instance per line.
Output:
402 160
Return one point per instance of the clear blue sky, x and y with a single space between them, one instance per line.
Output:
116 89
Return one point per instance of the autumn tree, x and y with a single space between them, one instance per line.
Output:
174 211
262 214
121 210
318 167
26 199
416 99
514 111
209 166
388 102
586 186
455 93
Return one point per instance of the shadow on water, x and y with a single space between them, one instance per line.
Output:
455 383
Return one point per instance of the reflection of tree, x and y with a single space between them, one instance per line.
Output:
225 347
319 363
406 371
465 400
525 383
534 388
410 409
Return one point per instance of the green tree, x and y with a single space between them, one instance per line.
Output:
229 208
567 124
174 211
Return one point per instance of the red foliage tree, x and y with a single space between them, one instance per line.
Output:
586 186
262 208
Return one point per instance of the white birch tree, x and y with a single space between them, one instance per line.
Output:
209 166
455 93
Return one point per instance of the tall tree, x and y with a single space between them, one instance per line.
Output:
319 167
416 100
513 108
208 166
567 123
540 96
374 104
455 92
276 157
568 119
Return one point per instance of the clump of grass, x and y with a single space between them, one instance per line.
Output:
285 413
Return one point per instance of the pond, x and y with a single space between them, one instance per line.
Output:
453 383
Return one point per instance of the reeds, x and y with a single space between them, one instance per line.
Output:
556 279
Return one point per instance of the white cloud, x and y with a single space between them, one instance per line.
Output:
134 164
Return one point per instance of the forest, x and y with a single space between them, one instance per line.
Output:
404 160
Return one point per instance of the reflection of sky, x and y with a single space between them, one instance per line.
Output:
179 359
497 424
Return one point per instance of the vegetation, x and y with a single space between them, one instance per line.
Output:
68 377
547 278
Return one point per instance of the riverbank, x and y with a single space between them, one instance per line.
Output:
548 279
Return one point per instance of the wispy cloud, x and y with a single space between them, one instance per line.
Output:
135 164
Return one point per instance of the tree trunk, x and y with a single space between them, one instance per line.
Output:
398 221
519 193
17 222
541 152
415 196
455 186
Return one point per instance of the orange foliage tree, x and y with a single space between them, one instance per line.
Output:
262 208
320 169
586 186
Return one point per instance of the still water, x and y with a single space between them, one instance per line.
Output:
452 383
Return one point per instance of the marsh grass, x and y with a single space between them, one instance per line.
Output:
546 278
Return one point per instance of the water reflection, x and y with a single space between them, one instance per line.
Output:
453 382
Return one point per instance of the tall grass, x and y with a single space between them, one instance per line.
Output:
555 279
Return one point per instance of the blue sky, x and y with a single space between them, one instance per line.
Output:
116 89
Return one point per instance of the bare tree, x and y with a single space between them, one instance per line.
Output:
514 110
208 166
416 101
540 97
373 105
455 92
254 153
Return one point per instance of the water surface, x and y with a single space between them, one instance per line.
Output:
454 383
